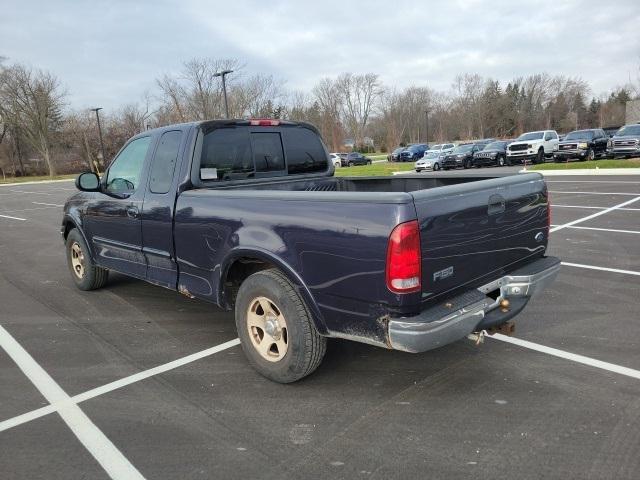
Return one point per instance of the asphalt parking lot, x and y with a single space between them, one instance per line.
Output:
143 405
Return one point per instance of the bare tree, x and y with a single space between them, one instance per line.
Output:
32 102
359 94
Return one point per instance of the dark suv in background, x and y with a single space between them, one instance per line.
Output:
395 155
462 155
582 145
494 154
413 152
626 142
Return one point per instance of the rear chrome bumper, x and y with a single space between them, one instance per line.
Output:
473 310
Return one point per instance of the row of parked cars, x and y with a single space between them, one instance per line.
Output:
349 159
534 147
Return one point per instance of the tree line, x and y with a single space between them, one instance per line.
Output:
39 134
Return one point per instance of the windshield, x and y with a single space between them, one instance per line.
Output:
580 135
496 146
435 147
432 155
398 150
629 130
463 148
531 136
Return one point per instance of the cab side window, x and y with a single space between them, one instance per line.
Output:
164 162
125 171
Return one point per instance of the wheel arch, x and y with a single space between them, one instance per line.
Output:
69 222
243 262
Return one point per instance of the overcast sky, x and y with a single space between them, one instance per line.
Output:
108 53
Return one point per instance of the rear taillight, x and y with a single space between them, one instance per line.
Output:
264 122
403 258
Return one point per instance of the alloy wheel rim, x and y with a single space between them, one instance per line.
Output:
77 260
267 329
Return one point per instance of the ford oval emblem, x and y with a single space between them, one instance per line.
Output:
539 237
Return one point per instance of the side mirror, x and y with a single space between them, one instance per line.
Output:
88 182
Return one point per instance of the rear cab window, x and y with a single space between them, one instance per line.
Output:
245 152
164 162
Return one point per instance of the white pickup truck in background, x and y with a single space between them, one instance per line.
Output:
534 146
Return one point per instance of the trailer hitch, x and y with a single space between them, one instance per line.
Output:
508 328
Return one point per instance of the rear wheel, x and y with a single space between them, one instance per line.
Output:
275 328
368 162
84 272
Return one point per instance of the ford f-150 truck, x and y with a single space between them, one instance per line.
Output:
248 215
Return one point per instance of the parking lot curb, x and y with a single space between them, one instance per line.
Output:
587 171
38 182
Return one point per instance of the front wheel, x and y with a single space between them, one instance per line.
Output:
275 328
590 155
350 164
500 161
84 272
436 167
540 156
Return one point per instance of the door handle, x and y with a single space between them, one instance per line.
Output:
132 211
496 204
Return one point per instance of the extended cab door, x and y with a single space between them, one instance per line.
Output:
158 209
112 220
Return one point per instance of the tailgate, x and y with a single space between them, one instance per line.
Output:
474 231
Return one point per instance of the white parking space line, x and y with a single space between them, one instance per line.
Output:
48 204
14 218
603 269
594 208
96 442
590 181
31 192
109 387
614 230
592 362
594 215
596 193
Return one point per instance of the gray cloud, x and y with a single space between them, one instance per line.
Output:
110 53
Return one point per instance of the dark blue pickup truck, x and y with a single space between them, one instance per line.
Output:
247 214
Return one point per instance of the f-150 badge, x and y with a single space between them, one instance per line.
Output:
442 274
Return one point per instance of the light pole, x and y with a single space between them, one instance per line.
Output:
426 114
97 109
224 89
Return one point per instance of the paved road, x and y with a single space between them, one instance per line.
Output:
498 411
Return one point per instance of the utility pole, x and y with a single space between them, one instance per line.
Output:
224 89
104 159
426 114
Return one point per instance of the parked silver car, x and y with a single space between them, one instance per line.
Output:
430 161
